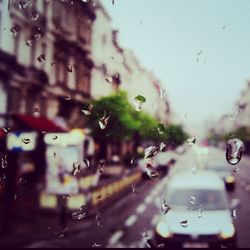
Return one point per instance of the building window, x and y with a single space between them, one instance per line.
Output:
14 100
83 79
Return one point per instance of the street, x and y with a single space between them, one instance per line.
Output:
129 221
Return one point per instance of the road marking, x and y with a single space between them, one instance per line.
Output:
155 219
131 220
148 199
115 237
140 209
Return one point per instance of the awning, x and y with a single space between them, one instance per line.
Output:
37 123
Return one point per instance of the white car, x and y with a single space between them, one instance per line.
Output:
198 213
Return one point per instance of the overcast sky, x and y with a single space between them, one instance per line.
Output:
199 49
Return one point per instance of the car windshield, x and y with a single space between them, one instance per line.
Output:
198 198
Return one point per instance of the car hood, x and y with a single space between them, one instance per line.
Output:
205 223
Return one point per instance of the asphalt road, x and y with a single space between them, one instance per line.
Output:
129 222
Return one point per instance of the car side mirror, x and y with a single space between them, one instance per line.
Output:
234 204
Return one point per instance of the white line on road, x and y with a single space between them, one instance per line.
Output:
131 220
140 209
115 237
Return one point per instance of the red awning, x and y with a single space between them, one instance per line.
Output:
38 123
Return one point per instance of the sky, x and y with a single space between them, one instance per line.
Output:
200 50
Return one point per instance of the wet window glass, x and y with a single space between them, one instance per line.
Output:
124 123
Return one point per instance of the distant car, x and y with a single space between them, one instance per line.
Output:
163 160
224 172
198 214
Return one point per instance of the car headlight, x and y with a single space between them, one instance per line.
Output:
162 230
227 232
229 179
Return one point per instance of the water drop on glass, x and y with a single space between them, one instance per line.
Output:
163 146
29 42
138 101
54 137
109 79
67 98
150 151
96 245
235 148
26 140
15 30
103 122
234 214
69 68
24 4
192 200
160 128
87 162
34 16
184 223
76 168
165 207
80 214
88 110
37 36
6 130
152 173
41 59
191 141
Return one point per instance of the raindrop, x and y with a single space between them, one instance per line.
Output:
63 233
69 68
67 98
134 189
223 27
132 161
163 146
15 197
200 210
41 59
152 173
236 169
109 79
145 234
44 132
113 2
141 21
191 141
138 101
234 214
4 161
235 148
149 243
37 36
160 128
98 219
101 166
6 130
76 167
150 151
80 214
192 200
184 223
103 122
88 110
96 245
24 4
29 42
242 106
162 93
87 162
15 30
165 207
34 15
26 140
54 154
199 53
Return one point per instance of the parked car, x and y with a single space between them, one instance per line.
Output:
225 172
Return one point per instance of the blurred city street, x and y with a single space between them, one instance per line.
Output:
124 124
130 220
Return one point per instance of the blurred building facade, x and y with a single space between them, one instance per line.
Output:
116 68
45 65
